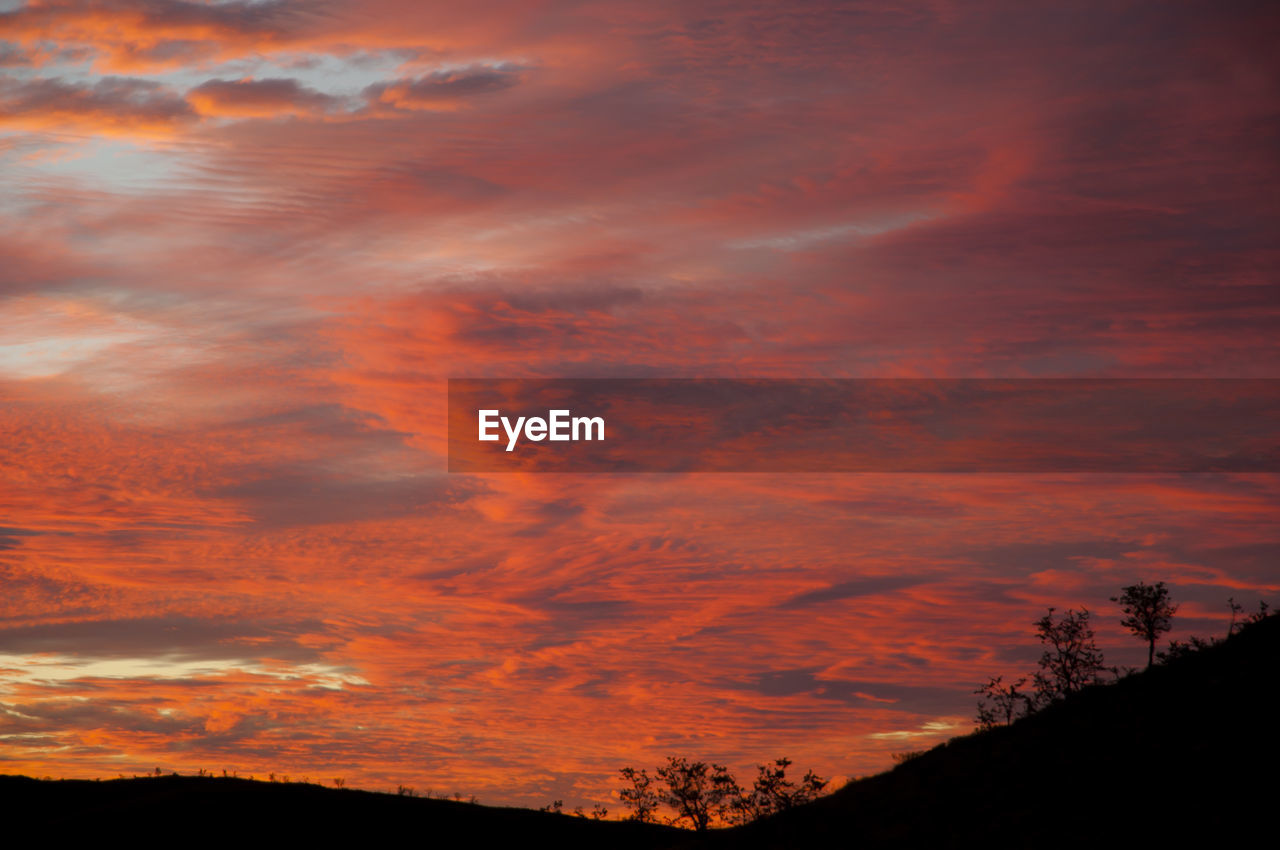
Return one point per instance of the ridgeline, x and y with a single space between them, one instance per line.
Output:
1180 754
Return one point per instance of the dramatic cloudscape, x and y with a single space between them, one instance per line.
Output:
243 245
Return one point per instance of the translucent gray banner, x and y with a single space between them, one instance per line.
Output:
856 425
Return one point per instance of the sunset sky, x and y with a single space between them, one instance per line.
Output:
243 245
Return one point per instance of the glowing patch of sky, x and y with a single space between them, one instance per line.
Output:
944 727
800 239
63 668
340 76
104 163
46 337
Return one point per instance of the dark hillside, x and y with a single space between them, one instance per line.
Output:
178 810
1181 755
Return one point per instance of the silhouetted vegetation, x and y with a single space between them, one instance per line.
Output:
1002 704
640 795
1071 659
700 795
899 758
1237 609
1148 613
1065 739
773 792
1173 756
1179 648
1165 757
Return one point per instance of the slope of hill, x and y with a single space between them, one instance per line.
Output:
1180 754
207 809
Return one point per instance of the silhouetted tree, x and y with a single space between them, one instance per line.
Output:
773 792
1002 704
1177 648
1071 659
1148 613
701 795
697 792
640 796
1236 610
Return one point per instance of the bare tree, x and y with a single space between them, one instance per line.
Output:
640 796
698 793
1148 613
702 795
774 792
1071 658
1236 610
1002 704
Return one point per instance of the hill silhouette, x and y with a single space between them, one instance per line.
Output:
208 809
1180 752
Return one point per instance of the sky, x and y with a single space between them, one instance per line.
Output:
243 246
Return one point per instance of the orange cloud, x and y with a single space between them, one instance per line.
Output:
136 35
267 98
